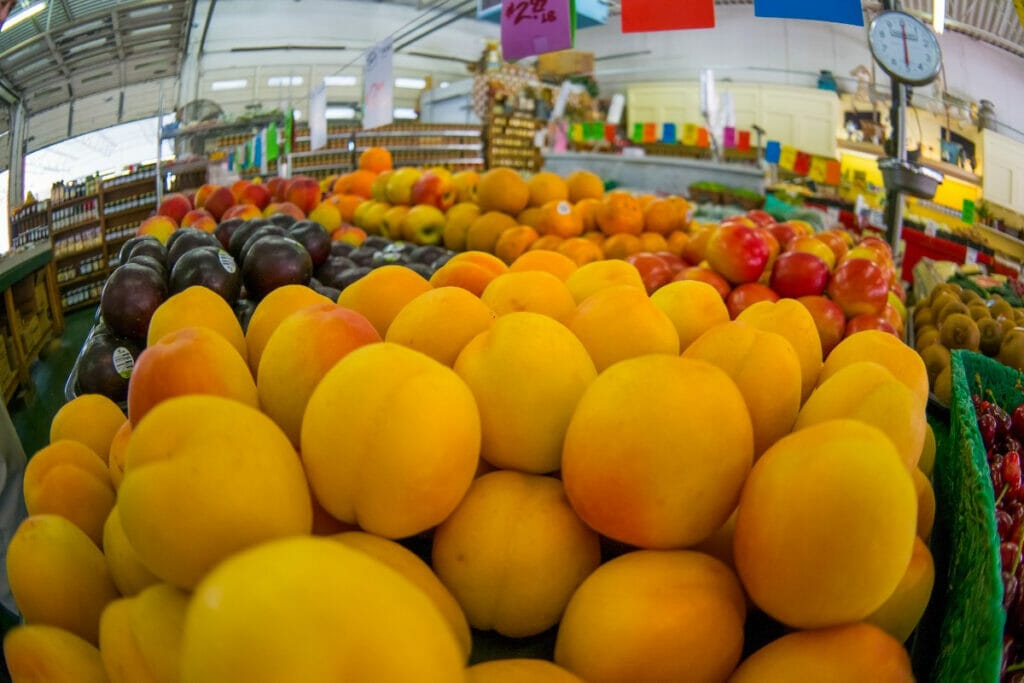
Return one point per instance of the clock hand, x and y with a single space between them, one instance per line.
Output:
906 51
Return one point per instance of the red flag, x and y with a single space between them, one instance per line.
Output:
657 15
803 163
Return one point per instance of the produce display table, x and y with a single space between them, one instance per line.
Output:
670 175
31 316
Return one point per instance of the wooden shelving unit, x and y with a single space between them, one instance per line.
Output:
509 140
30 224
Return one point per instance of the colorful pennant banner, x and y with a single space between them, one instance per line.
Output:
835 11
640 16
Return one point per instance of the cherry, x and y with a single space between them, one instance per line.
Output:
1004 524
987 425
1011 473
1017 420
1009 553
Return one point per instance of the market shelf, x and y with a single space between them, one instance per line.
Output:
147 181
92 301
107 215
78 252
91 223
82 278
73 201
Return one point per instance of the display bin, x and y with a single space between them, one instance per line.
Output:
960 637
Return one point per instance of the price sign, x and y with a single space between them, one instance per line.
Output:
972 256
378 98
532 27
318 116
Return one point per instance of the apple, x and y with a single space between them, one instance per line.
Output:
220 201
877 244
303 192
891 315
694 249
653 270
773 245
159 227
747 295
868 321
435 187
674 262
350 234
798 273
784 234
423 224
738 253
836 242
761 217
399 185
379 187
255 194
859 286
812 245
828 318
739 220
705 275
465 183
175 206
243 211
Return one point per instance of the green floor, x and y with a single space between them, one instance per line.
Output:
34 408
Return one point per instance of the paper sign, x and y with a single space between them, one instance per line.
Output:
609 132
657 15
967 213
833 172
787 158
744 144
728 137
817 170
532 27
668 132
378 97
836 11
702 137
638 132
318 116
272 143
615 109
802 164
650 132
690 134
971 256
558 111
772 151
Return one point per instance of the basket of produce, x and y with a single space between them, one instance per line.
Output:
706 192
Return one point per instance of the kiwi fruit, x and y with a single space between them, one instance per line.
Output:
959 332
1018 316
979 312
969 296
943 386
936 358
925 337
1011 349
1000 308
991 336
952 308
922 316
942 300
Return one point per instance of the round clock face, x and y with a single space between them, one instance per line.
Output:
905 48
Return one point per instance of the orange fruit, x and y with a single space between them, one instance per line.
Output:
514 242
502 189
652 242
359 182
584 185
596 237
346 204
484 231
440 322
676 242
382 293
839 474
662 216
559 265
546 187
375 159
529 216
620 212
558 217
89 419
652 478
587 209
621 245
547 242
581 251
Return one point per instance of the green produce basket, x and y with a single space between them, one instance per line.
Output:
960 637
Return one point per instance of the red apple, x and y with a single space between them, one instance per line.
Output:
174 205
859 286
707 275
255 194
747 295
761 217
876 244
220 201
243 211
653 271
799 273
738 253
674 262
204 193
304 193
829 320
275 186
869 322
784 234
435 189
350 234
836 242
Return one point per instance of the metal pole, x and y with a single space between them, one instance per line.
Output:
894 198
159 143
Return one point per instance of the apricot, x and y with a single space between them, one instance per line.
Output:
410 445
593 277
516 670
269 313
837 475
514 242
440 323
900 614
469 276
115 459
409 565
641 473
531 367
559 265
196 307
58 576
582 251
766 370
38 653
854 652
303 347
789 318
533 291
546 187
483 233
694 307
654 615
502 189
90 419
883 348
926 463
621 322
456 224
126 569
140 637
192 360
347 616
239 473
510 529
584 185
380 294
66 478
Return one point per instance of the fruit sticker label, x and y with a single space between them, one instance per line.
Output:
226 261
124 362
533 27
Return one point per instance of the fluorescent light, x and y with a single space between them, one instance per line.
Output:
297 114
405 113
939 15
281 81
236 84
444 84
18 17
410 83
339 81
341 113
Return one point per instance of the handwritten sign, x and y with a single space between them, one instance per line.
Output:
378 97
532 27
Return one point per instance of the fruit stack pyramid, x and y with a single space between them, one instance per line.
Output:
645 475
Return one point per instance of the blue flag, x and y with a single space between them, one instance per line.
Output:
836 11
773 152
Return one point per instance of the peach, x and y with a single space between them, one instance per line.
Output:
204 193
238 186
219 201
201 219
304 193
300 351
284 207
255 194
192 360
350 234
159 227
243 211
275 186
175 206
